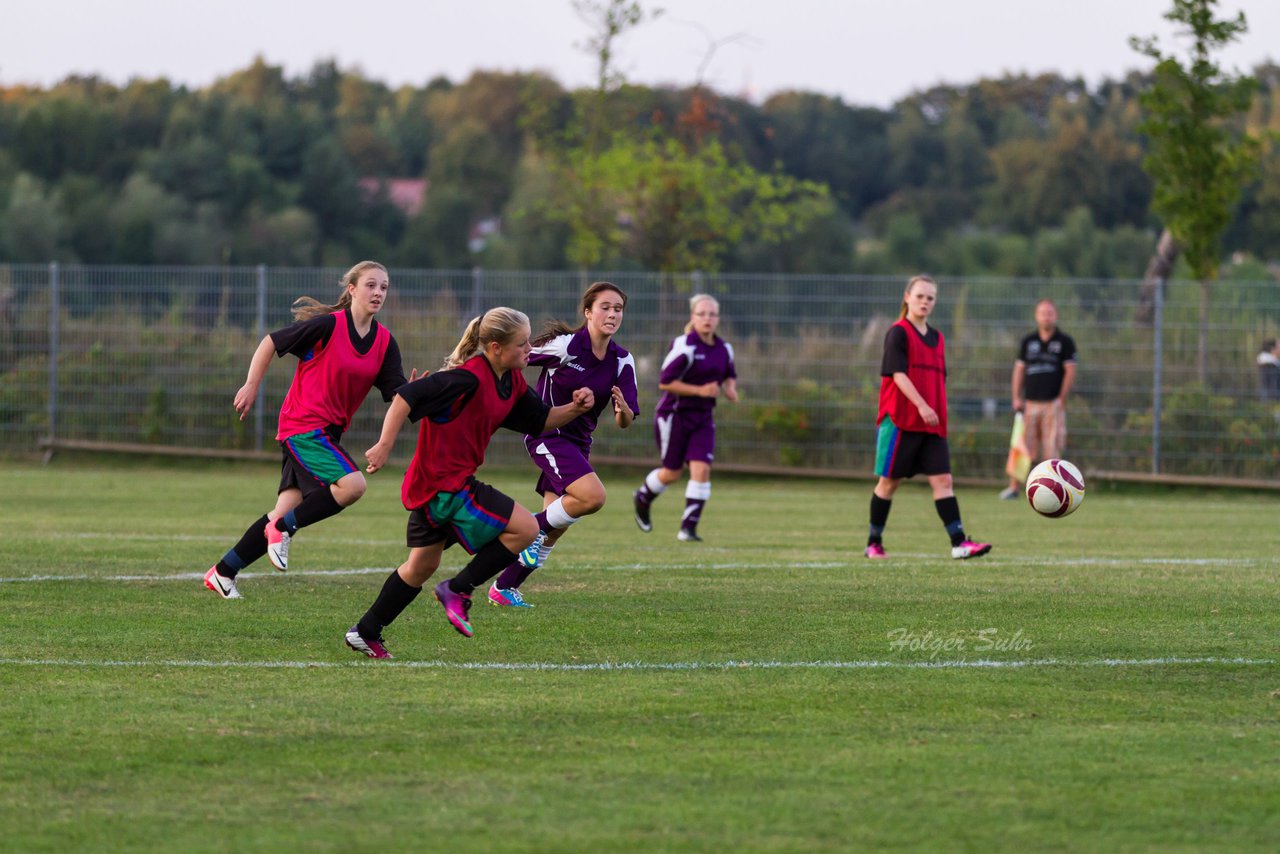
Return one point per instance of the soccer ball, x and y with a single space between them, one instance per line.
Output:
1055 488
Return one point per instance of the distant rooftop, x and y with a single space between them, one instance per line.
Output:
407 194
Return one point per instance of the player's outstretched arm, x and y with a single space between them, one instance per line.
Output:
397 414
583 400
258 365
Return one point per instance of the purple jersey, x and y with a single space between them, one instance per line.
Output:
693 361
567 365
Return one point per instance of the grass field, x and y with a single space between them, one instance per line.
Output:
1107 681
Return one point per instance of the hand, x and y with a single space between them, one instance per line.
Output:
413 375
245 398
377 457
584 399
731 393
620 403
926 412
1019 406
711 389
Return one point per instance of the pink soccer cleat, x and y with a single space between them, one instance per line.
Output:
456 608
371 648
969 549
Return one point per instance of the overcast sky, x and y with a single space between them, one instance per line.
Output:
869 52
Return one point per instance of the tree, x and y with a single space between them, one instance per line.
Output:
675 210
608 19
669 205
1197 159
819 138
32 227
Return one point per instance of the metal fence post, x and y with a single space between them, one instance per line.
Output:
1158 379
477 289
55 309
259 420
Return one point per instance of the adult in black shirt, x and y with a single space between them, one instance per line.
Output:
1042 378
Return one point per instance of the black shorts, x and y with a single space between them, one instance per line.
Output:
473 517
903 453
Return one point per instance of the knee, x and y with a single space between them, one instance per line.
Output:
350 489
522 531
416 572
591 502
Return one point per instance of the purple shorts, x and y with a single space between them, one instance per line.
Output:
685 437
562 462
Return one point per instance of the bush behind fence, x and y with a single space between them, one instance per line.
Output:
155 355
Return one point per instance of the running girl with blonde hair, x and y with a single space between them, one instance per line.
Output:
342 352
459 409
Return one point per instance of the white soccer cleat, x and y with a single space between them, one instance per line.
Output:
277 546
220 584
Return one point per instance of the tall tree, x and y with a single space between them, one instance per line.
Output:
608 20
1197 158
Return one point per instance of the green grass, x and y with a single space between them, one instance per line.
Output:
744 693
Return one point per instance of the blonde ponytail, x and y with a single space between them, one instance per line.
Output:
500 324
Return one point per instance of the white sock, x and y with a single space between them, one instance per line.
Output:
556 515
545 551
656 486
698 491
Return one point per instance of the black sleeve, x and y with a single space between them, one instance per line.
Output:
1068 349
300 338
895 352
437 396
529 415
1022 349
391 374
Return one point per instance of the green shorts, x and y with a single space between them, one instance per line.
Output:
473 517
312 460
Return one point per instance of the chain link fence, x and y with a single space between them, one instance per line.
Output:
153 356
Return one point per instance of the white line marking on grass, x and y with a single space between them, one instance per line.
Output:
197 576
206 538
613 666
630 567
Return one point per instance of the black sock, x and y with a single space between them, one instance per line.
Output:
949 512
879 517
514 575
252 546
316 507
395 596
487 563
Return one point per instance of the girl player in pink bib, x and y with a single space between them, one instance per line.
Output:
342 352
459 409
912 422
